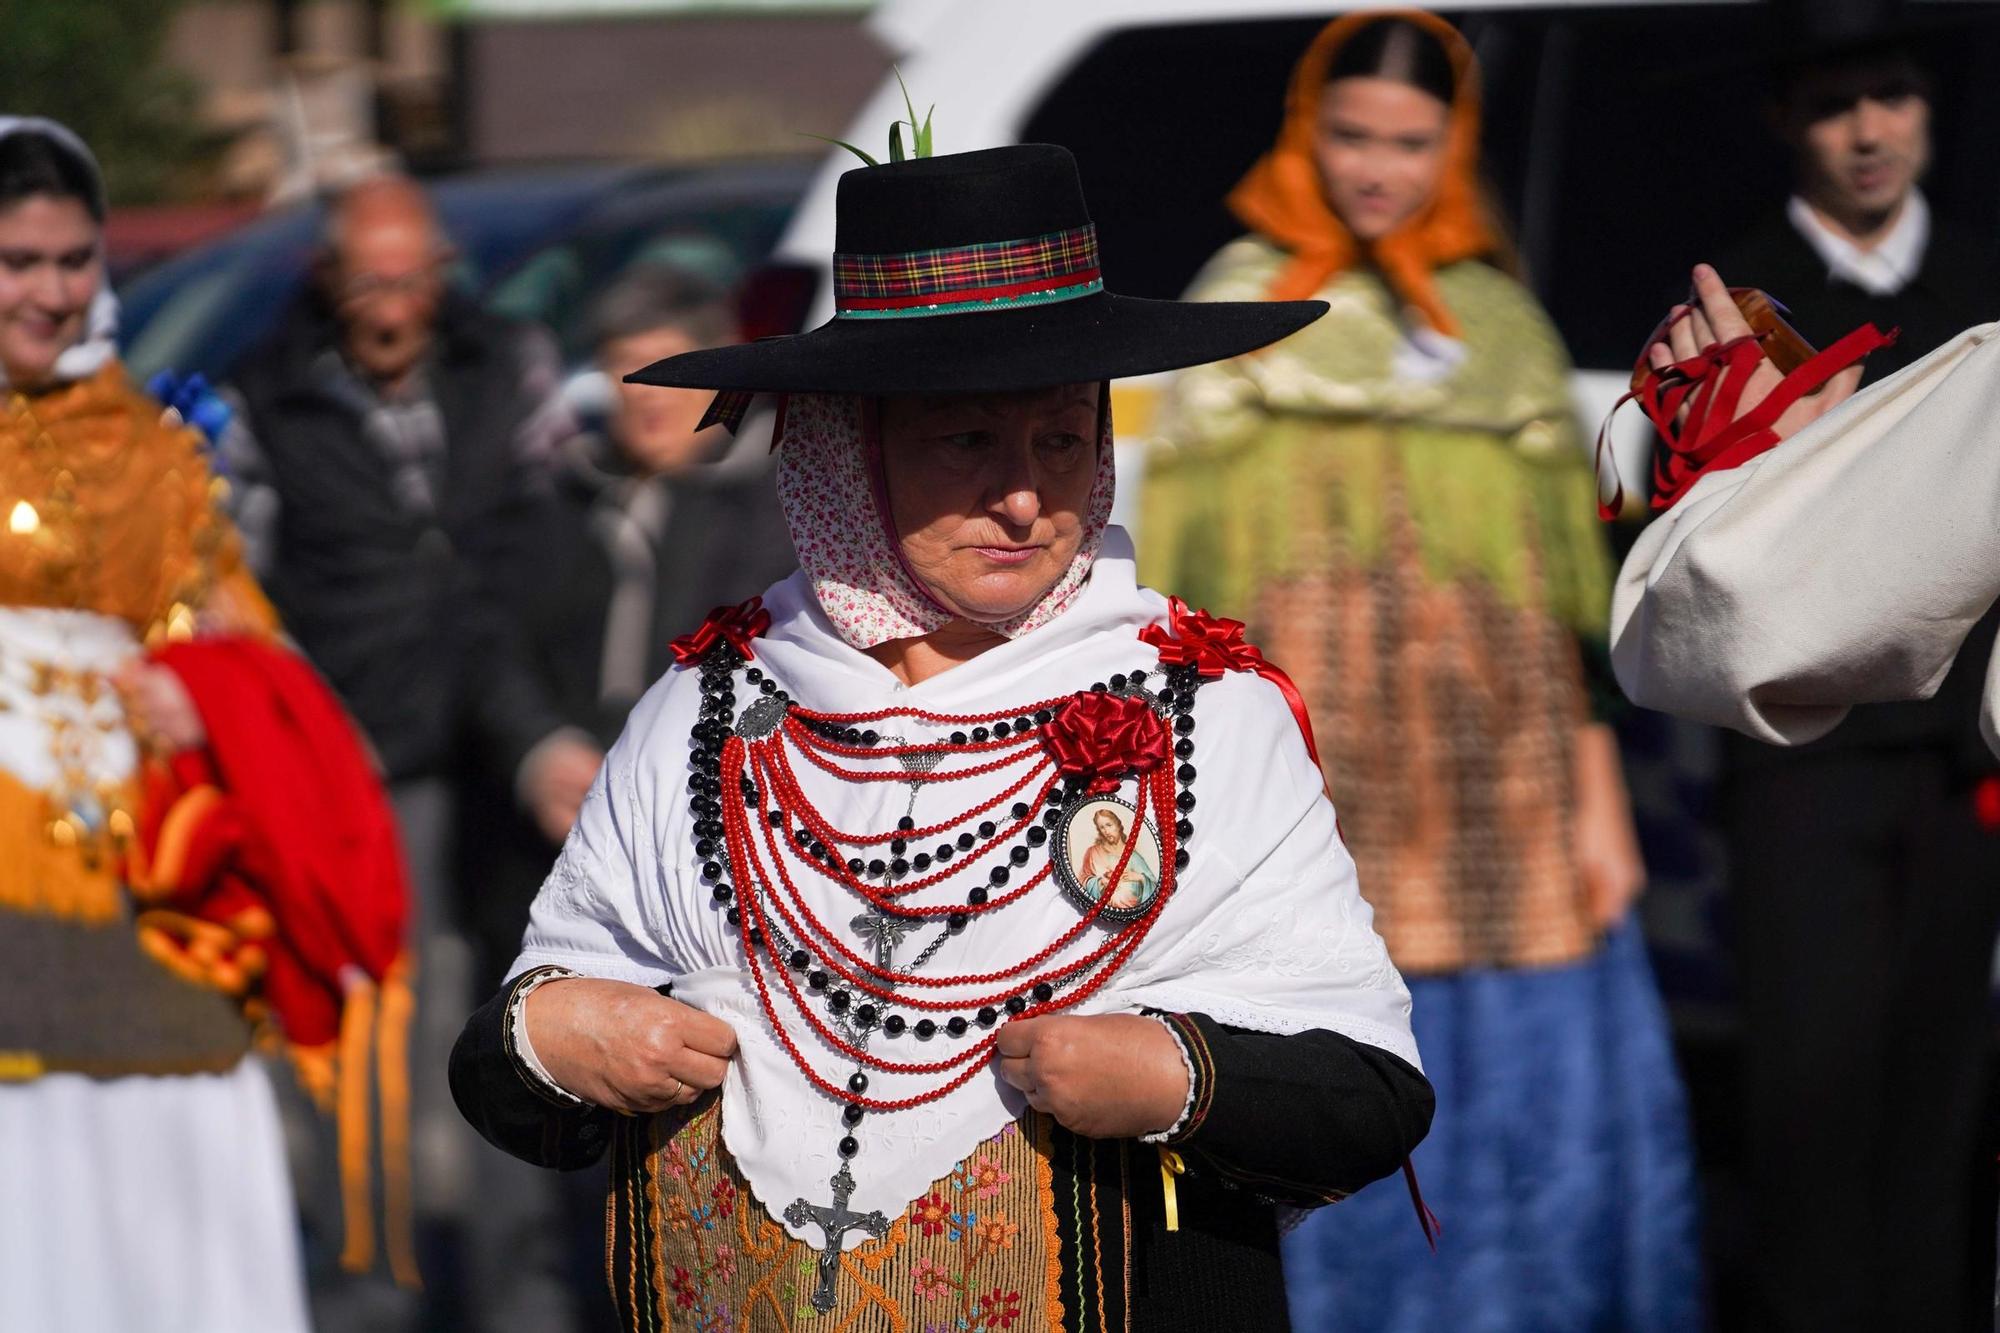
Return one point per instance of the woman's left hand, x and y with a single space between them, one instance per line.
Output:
1607 844
1104 1076
158 703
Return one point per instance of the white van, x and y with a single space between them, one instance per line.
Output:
1625 140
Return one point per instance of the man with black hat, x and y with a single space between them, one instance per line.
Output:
1865 882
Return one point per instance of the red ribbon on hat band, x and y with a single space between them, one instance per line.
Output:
1000 293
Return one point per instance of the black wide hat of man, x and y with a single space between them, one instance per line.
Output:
977 273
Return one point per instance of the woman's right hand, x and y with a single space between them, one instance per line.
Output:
625 1047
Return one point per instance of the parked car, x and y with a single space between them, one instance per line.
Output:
538 244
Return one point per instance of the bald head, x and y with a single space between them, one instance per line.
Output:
385 202
384 274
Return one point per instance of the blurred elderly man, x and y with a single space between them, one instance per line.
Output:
391 476
1865 882
395 467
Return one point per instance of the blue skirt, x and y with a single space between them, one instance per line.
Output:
1558 1164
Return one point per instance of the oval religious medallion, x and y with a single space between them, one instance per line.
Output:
1087 846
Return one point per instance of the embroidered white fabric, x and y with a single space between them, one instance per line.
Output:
44 731
1187 1105
1266 930
524 1047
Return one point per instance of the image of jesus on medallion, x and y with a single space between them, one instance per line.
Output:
1096 834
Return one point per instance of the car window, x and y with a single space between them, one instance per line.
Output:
559 285
179 322
1623 143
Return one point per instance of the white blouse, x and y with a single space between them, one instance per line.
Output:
1266 928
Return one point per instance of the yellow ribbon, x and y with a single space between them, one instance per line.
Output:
1171 1165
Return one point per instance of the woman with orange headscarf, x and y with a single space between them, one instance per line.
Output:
1396 500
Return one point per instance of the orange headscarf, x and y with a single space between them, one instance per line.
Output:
1283 198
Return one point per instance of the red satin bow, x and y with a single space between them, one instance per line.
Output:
1215 644
734 625
1105 736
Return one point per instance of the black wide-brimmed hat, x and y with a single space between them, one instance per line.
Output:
977 273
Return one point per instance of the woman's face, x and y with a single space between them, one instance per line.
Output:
988 492
1381 150
49 272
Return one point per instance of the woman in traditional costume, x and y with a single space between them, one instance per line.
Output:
140 1154
195 841
1395 500
909 1075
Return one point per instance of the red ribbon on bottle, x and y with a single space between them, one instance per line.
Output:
1105 736
734 625
1215 644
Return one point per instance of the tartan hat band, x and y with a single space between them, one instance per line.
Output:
994 275
917 238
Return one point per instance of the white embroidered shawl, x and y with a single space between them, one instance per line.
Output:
1267 929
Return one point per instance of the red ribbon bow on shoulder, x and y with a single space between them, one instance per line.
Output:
734 625
1105 736
1215 644
1209 644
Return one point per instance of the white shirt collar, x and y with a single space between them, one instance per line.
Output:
1882 271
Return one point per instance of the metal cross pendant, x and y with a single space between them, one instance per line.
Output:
885 931
836 1222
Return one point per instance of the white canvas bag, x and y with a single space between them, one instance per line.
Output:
1844 566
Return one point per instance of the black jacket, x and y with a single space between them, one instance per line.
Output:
406 616
710 536
719 538
1296 1121
1957 286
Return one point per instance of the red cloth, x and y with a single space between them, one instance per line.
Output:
1102 737
303 828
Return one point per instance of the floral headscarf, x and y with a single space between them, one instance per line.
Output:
1284 198
829 483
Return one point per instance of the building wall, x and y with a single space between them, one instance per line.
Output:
664 88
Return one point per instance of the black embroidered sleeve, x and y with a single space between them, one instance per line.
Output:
1302 1120
508 1105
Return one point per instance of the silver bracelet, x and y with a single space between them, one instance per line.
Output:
517 1027
1187 1107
